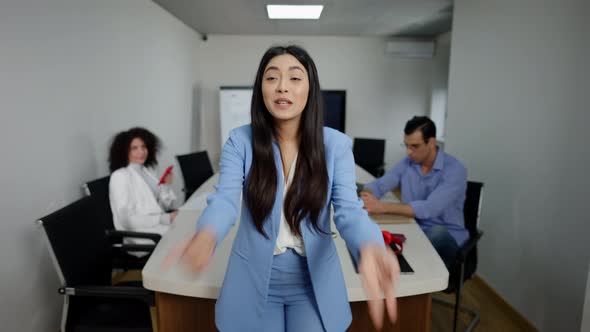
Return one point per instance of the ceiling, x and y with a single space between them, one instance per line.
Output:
400 18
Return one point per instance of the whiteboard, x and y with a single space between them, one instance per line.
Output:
234 109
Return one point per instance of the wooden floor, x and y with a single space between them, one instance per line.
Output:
496 315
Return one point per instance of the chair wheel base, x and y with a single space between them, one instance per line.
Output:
475 316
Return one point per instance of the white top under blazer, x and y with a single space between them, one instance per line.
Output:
285 238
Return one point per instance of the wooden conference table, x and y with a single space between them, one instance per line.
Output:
185 302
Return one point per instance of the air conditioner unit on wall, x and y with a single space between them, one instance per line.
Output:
414 49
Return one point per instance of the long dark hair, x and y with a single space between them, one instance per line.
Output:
119 151
308 192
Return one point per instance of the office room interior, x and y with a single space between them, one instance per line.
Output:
513 77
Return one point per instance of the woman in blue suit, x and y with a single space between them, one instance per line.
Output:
283 272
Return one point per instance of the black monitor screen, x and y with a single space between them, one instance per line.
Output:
334 109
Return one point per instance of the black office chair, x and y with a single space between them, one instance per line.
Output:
369 153
98 190
466 261
82 256
196 169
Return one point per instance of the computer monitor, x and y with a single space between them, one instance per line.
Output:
334 109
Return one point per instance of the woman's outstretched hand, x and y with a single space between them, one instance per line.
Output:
194 253
379 272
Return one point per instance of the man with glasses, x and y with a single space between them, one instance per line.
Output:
433 185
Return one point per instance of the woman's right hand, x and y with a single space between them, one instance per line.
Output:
168 179
194 253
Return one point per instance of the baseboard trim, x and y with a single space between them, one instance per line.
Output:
524 323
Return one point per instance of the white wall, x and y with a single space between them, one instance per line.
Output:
518 118
72 73
439 84
382 92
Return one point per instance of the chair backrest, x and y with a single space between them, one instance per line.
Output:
471 213
78 244
196 169
99 191
369 153
472 207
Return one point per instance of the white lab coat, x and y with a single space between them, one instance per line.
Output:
134 206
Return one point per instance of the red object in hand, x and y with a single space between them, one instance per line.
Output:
166 172
396 239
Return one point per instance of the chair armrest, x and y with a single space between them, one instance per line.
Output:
467 247
132 247
188 189
118 235
111 292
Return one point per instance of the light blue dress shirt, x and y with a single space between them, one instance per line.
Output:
436 198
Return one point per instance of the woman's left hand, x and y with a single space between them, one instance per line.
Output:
173 215
379 270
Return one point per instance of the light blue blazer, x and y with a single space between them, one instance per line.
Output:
242 300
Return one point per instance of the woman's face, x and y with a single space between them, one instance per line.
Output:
285 87
138 152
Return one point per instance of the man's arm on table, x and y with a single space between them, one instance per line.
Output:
375 206
451 188
374 190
